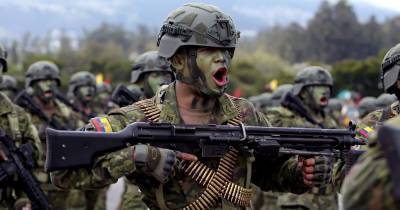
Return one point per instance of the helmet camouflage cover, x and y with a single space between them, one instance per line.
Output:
149 62
82 78
313 75
196 24
390 68
3 57
8 83
42 70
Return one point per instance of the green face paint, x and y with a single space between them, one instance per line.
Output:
44 89
154 80
214 64
318 96
85 94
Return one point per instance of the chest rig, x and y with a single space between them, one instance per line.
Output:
217 183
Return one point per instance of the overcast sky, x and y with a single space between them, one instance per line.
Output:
41 16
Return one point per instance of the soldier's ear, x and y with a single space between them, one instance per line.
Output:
178 62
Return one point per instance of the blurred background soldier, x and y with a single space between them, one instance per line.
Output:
39 98
334 109
367 105
304 107
150 72
384 100
102 101
8 86
16 123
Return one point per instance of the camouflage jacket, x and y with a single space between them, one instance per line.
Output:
368 184
281 174
17 124
65 116
370 122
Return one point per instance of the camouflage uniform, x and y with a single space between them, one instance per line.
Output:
146 63
369 185
284 116
61 113
17 124
177 194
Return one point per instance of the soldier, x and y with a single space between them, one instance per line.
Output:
151 72
8 86
261 101
391 85
199 40
102 101
41 83
17 124
367 105
304 107
81 92
384 100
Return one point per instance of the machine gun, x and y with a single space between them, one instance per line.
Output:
19 162
123 96
24 100
203 140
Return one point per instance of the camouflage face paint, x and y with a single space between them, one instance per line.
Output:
318 96
85 94
154 80
214 64
44 89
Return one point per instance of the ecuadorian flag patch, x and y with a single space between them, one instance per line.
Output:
101 124
365 132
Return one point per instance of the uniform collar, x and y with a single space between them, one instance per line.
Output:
166 100
5 104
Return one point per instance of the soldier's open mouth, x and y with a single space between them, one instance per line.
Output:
48 93
220 77
324 101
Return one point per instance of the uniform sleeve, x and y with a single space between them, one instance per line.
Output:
108 168
278 118
368 185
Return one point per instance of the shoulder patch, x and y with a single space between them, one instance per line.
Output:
101 124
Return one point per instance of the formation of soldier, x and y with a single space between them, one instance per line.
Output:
185 82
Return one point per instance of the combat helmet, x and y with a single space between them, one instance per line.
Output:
42 70
8 83
82 78
367 105
390 69
3 57
313 75
385 100
197 24
149 62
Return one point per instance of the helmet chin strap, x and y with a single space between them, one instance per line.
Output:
197 78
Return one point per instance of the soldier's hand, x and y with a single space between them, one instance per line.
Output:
158 162
317 171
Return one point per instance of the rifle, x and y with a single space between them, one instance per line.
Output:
206 140
124 97
24 100
19 163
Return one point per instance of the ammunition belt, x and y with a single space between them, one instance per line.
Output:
218 184
150 109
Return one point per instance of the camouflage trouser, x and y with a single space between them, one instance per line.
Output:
308 201
132 198
87 200
264 200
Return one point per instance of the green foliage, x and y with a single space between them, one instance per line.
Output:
361 76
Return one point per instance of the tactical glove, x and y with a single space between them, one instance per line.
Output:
317 171
157 162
